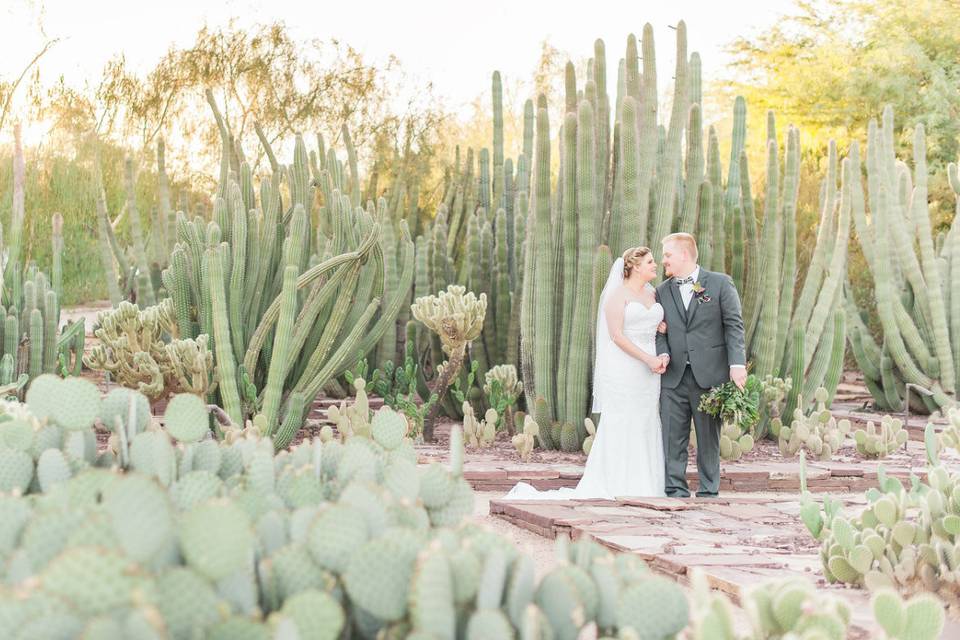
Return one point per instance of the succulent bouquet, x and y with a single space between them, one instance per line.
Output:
738 410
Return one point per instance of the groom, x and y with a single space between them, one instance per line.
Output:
702 348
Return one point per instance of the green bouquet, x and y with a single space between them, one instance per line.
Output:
739 413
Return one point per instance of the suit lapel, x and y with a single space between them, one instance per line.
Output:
677 298
694 305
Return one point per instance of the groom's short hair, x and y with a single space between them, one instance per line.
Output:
685 240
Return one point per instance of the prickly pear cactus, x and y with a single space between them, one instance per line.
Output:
526 439
904 539
875 441
733 443
479 433
791 608
919 618
591 434
819 433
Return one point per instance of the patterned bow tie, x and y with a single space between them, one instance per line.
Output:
682 281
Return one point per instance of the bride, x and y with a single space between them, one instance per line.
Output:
627 454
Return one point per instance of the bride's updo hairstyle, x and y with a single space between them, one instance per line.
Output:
632 258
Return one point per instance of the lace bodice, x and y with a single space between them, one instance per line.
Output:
640 322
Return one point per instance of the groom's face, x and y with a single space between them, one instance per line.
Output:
676 259
669 258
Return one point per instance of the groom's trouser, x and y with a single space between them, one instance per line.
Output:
677 407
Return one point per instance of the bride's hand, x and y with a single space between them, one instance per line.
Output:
662 327
656 364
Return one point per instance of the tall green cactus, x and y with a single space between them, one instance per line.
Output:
667 180
916 345
544 324
579 360
145 290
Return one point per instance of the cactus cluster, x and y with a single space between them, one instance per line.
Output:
289 291
875 441
503 389
479 433
524 440
793 608
912 275
32 341
194 536
949 436
772 402
733 442
906 538
789 608
456 317
819 433
141 350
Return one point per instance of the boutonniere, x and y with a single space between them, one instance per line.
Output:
699 293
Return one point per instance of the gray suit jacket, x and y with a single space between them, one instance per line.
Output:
709 333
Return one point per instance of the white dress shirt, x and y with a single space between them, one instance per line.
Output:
686 294
686 289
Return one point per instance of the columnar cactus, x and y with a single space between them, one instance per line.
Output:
916 330
289 336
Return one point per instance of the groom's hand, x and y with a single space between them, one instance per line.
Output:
739 376
664 361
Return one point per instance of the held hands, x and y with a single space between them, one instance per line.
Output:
658 365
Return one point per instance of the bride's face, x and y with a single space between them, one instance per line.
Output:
647 269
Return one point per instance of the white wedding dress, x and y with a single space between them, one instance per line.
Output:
627 454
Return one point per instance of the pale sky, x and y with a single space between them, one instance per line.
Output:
455 45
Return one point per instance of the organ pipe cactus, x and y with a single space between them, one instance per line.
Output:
33 341
290 305
916 345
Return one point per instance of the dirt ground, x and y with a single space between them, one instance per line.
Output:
539 549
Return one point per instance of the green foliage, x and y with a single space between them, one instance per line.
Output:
463 385
503 389
398 388
739 412
832 65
